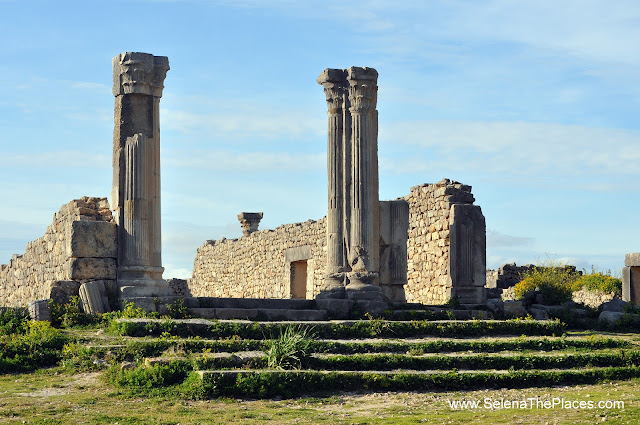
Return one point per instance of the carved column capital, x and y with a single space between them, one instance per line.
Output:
363 88
142 73
249 222
334 82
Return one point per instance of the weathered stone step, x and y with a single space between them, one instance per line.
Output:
431 312
269 383
227 313
249 303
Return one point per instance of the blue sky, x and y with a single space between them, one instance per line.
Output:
533 103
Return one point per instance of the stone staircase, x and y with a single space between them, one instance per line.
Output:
230 357
255 309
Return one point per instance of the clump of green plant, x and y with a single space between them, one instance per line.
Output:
178 310
551 280
70 314
14 321
598 281
40 346
290 349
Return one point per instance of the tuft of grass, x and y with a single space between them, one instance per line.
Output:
290 349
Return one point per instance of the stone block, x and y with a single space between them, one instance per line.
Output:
610 316
335 308
94 297
40 310
92 239
631 284
632 260
91 268
514 309
63 290
374 308
539 314
616 305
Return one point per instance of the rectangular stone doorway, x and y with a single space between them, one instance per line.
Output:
299 279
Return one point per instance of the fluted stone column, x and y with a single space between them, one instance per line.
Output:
353 213
135 198
334 82
364 243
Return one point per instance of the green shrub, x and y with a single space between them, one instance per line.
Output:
178 310
147 378
70 314
553 282
290 349
598 282
14 321
40 346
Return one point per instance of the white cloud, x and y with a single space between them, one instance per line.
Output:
513 148
496 239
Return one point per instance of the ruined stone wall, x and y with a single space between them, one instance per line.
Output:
429 279
79 246
259 265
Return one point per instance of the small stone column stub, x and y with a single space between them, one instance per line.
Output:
334 82
135 198
363 253
249 222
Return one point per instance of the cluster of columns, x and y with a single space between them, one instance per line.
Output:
353 215
135 197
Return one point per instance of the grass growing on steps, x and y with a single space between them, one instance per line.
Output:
292 383
290 349
346 329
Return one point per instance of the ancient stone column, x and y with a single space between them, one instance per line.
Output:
334 82
135 198
363 251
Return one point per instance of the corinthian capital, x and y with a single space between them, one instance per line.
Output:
142 73
334 82
363 88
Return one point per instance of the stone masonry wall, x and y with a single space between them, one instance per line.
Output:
79 246
259 265
428 246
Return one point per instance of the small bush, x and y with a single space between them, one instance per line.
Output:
178 310
40 346
598 282
290 349
552 281
70 314
14 321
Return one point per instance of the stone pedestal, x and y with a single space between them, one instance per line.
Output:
631 278
135 198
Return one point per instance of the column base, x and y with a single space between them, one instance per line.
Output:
362 287
333 287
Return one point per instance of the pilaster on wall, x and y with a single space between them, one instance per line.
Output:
446 245
79 246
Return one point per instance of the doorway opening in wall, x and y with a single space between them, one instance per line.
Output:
299 279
